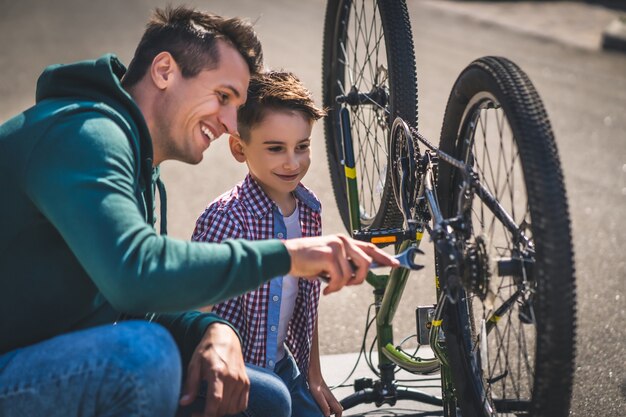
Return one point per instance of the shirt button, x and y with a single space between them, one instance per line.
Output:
271 363
280 235
273 328
275 298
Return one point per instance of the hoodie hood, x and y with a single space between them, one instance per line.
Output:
94 80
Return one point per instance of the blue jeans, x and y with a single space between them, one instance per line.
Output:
302 402
129 369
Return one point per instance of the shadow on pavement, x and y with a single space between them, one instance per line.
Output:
396 412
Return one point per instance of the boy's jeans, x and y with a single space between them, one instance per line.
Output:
129 369
303 403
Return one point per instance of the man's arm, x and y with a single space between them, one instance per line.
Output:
344 260
188 329
82 178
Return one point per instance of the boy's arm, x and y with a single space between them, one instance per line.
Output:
320 391
215 225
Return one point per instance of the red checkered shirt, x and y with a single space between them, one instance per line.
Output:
246 212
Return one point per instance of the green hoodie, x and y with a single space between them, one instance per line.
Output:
77 242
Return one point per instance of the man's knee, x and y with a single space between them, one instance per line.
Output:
132 368
147 359
144 346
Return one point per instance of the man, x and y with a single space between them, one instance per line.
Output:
78 248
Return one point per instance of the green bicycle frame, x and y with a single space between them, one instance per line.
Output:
388 289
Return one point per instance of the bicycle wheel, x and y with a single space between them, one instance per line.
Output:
510 335
369 67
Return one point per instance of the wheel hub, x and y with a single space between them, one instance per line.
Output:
378 96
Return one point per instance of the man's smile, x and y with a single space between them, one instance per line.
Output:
208 132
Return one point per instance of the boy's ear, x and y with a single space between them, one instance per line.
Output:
236 148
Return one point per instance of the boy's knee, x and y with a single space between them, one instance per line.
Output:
280 400
269 395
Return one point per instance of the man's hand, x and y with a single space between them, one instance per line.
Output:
218 361
345 260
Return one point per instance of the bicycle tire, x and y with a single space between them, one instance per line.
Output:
525 362
387 68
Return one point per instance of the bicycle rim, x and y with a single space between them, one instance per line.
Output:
368 60
510 349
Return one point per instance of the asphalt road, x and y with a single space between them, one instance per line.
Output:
583 90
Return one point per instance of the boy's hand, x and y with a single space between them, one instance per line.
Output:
324 397
343 259
218 361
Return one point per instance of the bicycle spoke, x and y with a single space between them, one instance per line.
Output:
495 159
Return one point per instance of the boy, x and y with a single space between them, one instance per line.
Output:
278 322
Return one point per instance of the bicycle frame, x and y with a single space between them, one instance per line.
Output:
388 289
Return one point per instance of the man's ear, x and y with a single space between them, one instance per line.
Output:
236 148
163 69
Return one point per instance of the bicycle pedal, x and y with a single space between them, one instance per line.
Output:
382 237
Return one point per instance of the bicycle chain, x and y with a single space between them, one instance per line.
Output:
440 154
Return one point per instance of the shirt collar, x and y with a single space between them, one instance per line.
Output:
258 203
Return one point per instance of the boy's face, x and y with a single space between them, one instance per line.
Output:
277 153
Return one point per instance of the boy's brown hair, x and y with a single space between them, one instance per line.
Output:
191 36
275 91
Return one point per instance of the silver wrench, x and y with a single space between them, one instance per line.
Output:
406 259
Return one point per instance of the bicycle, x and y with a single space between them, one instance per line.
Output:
491 198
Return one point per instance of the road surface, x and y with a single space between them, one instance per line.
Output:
584 91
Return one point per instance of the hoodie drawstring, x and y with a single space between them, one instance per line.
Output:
163 204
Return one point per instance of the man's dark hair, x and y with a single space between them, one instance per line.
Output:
275 91
191 36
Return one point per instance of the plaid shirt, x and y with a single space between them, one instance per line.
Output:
246 212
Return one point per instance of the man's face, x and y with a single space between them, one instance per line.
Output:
195 111
278 152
